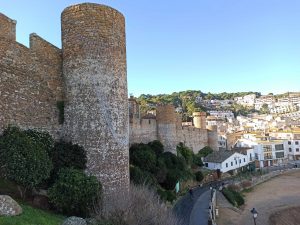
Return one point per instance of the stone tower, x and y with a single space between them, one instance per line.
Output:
96 107
166 127
199 119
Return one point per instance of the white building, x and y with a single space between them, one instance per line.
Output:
267 150
247 100
222 114
225 161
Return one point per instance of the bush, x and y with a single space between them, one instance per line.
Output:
234 197
74 193
185 152
144 158
157 147
24 158
141 206
67 155
138 176
205 151
199 176
166 195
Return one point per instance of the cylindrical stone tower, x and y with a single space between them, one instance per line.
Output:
166 127
96 107
199 119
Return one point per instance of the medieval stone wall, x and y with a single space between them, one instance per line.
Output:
143 131
30 81
96 108
193 138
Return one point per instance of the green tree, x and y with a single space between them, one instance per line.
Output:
24 158
264 109
74 192
185 152
66 155
205 151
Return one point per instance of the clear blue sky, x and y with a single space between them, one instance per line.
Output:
207 45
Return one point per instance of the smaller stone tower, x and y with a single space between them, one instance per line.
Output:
199 120
213 137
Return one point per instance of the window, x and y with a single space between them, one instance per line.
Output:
279 155
297 142
235 162
267 148
226 164
279 147
289 142
290 149
231 163
240 161
244 160
297 149
206 164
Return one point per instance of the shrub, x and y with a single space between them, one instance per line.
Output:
197 160
144 158
74 193
199 176
234 197
166 195
138 176
157 147
185 152
67 155
24 158
205 151
141 206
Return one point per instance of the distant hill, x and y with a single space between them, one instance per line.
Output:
188 101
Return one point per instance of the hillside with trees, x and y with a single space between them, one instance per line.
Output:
190 101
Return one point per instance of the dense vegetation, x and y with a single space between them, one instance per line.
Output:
24 158
32 160
189 100
149 164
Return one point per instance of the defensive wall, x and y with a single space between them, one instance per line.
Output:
167 127
30 81
86 81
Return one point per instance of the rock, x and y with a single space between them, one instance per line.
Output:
74 221
9 207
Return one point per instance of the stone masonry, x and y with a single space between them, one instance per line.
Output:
88 75
167 127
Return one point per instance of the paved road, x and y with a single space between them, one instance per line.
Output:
199 214
184 206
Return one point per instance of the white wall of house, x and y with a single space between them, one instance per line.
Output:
293 149
235 161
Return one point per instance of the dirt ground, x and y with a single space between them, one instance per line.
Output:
277 202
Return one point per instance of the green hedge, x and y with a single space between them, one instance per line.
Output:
234 197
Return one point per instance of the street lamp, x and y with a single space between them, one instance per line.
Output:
254 213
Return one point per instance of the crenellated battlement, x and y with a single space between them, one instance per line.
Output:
7 28
44 49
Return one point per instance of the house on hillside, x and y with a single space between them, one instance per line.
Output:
225 161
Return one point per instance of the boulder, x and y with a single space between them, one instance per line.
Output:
74 221
9 207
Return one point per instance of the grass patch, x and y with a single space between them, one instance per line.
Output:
32 216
